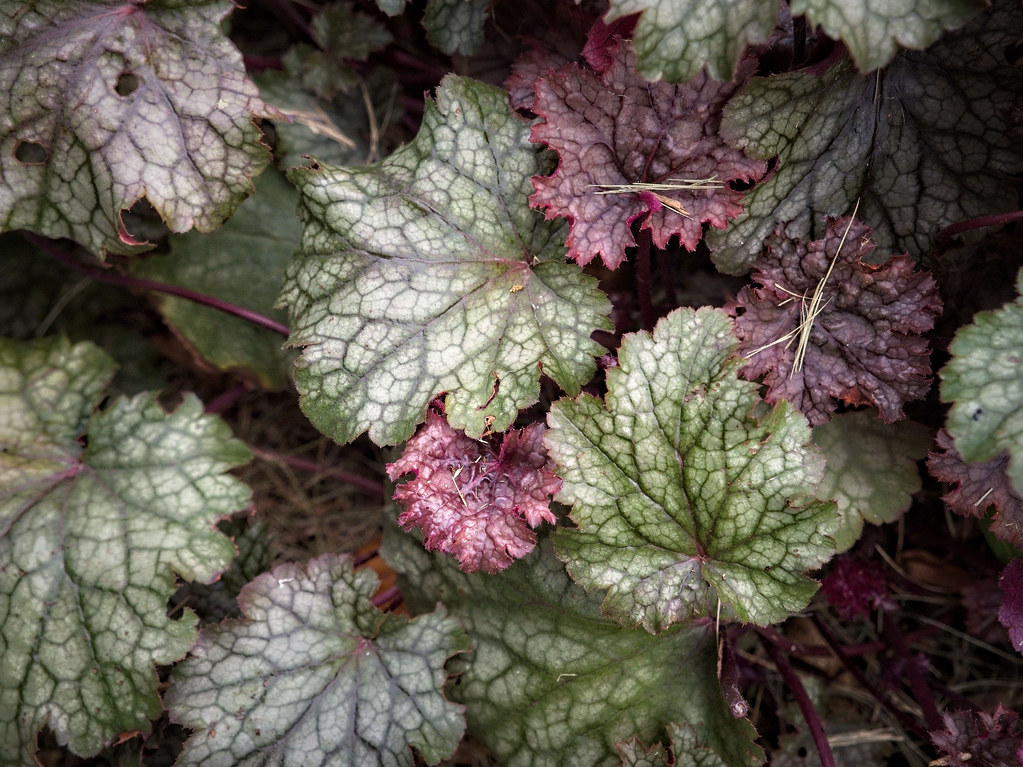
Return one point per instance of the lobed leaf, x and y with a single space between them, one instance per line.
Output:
686 749
977 487
455 26
1010 612
314 674
98 512
925 142
871 470
428 273
683 498
550 681
107 102
824 326
984 383
616 134
873 31
675 40
473 500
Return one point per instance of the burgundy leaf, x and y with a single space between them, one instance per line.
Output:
856 587
976 486
561 42
472 501
615 129
864 343
978 739
1010 614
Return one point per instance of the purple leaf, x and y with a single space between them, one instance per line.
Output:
977 486
472 501
615 130
978 739
864 344
1010 614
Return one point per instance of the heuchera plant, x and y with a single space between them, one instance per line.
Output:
648 319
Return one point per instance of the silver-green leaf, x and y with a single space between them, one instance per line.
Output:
683 497
104 103
429 273
315 675
98 512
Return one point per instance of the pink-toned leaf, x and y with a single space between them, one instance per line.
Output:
472 499
865 343
979 739
1010 614
977 486
615 128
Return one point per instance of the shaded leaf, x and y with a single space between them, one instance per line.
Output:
872 31
977 487
104 103
923 143
616 129
345 129
682 496
429 273
864 344
455 26
687 749
474 500
980 739
98 511
871 469
241 263
216 601
675 40
550 681
314 674
1010 613
984 381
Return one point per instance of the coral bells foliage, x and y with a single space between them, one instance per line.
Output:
471 500
613 129
823 327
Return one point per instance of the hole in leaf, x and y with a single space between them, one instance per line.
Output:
127 84
31 153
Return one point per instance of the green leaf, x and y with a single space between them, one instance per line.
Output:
873 31
104 103
871 469
675 40
429 273
316 675
242 263
391 7
98 511
683 498
984 381
551 682
456 26
923 143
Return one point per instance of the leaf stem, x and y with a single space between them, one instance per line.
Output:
806 707
917 684
375 487
136 283
979 222
646 306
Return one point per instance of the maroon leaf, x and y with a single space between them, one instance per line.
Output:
472 501
977 486
978 739
615 129
857 587
1010 614
863 344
